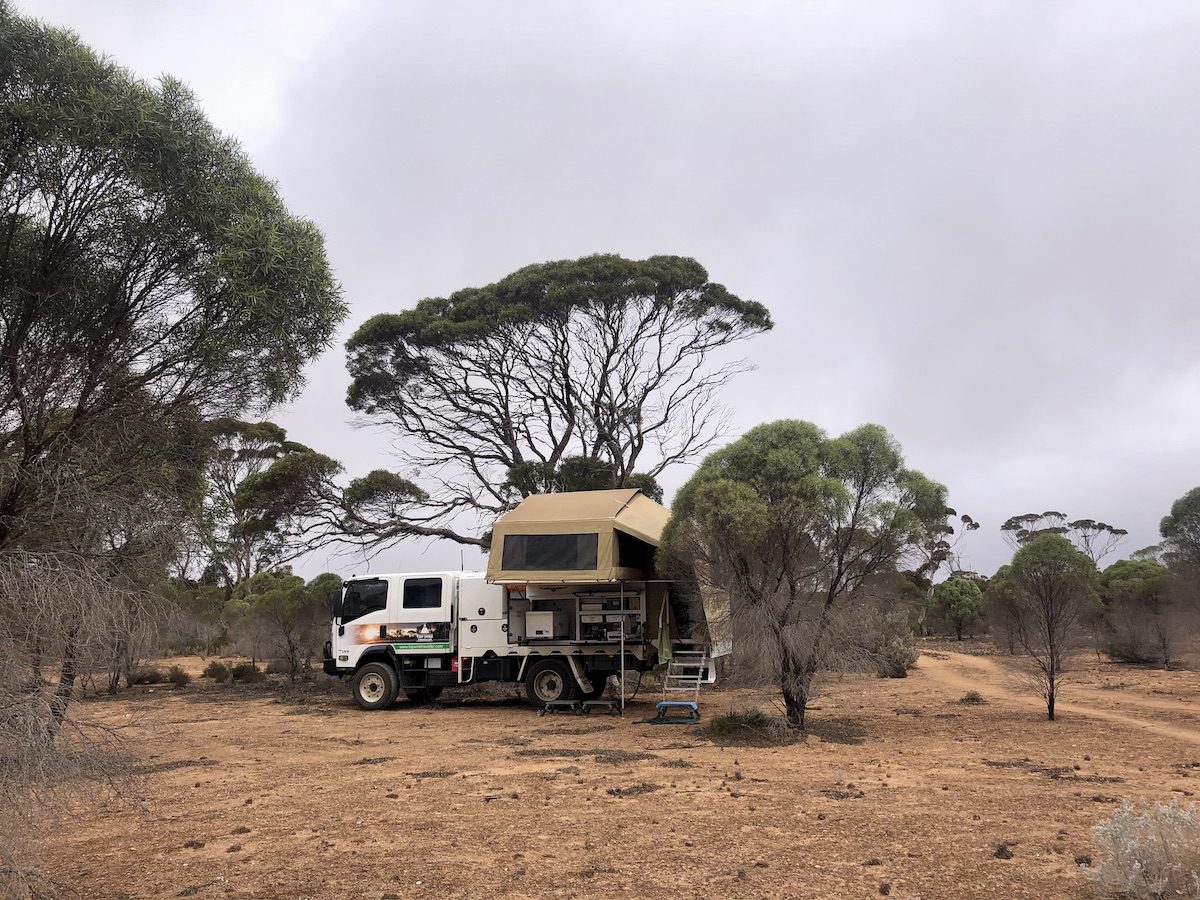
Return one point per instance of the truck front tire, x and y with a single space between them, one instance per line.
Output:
549 681
375 685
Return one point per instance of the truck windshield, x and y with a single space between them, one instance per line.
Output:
364 597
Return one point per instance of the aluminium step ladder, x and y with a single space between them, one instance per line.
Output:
685 673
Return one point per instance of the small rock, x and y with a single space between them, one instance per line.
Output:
1003 851
241 829
885 888
873 861
233 848
193 844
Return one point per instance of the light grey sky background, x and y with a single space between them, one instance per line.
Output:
977 224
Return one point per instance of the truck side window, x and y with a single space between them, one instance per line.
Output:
364 597
422 593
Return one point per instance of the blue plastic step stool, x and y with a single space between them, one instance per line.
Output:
689 708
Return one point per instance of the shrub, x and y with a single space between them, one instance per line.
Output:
972 698
147 675
278 667
752 727
246 672
217 671
897 656
178 677
734 722
1149 852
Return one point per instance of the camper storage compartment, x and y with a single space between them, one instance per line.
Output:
547 625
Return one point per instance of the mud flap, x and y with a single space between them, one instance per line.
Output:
580 674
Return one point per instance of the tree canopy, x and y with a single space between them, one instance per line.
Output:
1051 585
595 370
1180 529
960 602
1094 539
792 527
144 261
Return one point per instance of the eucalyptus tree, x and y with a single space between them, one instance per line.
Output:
140 256
801 534
1050 586
1094 539
497 392
150 280
959 602
1146 611
1180 530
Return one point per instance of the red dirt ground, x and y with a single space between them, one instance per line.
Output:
902 788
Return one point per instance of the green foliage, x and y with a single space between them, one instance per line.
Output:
535 295
288 611
1051 587
959 601
796 527
1145 613
738 723
575 473
1094 539
150 279
1181 532
898 654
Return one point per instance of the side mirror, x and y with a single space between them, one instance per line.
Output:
335 604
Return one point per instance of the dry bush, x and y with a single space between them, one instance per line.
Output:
217 671
60 618
178 677
247 672
1150 852
147 675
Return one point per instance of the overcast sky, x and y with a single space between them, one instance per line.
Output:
977 224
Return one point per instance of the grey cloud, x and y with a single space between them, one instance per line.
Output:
975 224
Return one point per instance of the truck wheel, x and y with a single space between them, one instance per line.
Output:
548 681
421 696
375 686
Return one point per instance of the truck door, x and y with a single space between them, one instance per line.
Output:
422 621
363 619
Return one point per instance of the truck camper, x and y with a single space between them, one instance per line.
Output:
569 599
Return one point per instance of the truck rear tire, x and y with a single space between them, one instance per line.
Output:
375 685
548 681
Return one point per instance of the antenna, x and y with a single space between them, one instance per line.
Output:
462 567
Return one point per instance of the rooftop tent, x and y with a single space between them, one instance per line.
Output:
579 537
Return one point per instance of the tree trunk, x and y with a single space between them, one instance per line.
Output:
1050 704
794 685
66 684
958 629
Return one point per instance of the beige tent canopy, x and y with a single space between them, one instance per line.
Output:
578 537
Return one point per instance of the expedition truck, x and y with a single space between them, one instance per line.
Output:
569 598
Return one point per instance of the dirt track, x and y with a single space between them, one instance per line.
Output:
964 672
903 786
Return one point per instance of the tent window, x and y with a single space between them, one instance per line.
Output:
547 552
633 553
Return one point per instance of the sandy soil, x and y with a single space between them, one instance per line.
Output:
249 793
